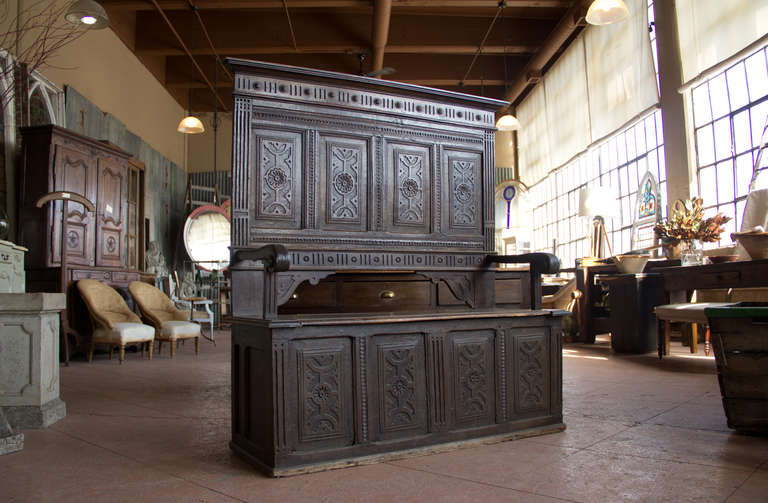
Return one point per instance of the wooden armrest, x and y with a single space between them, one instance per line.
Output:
192 299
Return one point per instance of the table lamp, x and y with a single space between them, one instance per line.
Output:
598 203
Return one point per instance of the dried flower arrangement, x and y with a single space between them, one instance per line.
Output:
689 223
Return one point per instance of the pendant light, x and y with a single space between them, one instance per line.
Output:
190 124
87 13
506 122
603 12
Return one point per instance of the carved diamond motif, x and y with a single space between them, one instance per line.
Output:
410 181
344 175
322 400
277 161
531 380
399 388
464 207
474 381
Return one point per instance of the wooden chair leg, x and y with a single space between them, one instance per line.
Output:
707 346
159 347
667 336
122 353
90 351
173 348
694 338
111 348
150 344
141 348
197 345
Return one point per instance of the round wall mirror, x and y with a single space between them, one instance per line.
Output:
207 238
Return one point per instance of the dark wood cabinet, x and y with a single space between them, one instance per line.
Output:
105 245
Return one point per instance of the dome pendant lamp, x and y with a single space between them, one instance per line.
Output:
508 122
603 12
87 13
190 124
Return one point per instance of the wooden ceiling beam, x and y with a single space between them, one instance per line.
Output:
170 5
345 49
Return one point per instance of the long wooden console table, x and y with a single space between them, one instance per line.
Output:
677 281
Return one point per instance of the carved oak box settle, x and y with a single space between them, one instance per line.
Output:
368 316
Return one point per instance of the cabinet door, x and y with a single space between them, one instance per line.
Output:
110 239
74 171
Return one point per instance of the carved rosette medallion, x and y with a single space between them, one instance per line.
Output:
321 396
473 380
464 207
111 244
399 389
73 239
531 376
344 170
277 160
410 181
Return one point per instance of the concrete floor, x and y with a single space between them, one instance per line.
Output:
639 429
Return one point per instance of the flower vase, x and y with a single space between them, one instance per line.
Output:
691 252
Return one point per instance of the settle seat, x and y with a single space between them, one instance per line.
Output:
170 323
113 322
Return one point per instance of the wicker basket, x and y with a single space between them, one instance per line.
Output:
739 335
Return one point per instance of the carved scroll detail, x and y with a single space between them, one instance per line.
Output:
460 284
288 282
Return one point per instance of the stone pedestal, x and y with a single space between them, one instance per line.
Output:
29 358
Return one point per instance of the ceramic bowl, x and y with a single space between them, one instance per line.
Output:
631 264
756 243
719 259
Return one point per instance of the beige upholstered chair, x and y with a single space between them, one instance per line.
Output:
170 324
113 322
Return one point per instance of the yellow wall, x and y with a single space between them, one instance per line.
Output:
201 145
101 68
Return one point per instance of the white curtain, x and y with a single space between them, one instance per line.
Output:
620 72
565 86
714 30
533 145
604 79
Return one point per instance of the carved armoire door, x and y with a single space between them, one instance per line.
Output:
110 245
74 171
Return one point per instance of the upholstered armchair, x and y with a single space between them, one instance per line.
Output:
113 321
170 324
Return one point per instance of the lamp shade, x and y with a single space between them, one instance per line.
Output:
88 13
508 122
598 201
603 12
190 125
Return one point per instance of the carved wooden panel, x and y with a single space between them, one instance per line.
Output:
110 245
324 377
463 211
409 169
74 171
276 177
400 380
531 371
342 201
474 377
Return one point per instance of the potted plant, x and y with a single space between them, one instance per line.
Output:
687 227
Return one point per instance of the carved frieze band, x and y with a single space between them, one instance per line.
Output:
321 404
340 97
351 260
532 370
260 236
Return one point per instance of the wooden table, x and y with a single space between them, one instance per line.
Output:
678 281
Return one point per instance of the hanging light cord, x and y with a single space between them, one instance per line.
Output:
194 9
186 49
499 10
290 25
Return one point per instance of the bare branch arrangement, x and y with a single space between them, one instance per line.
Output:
32 35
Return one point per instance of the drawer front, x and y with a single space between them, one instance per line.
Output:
105 276
307 296
385 295
123 278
